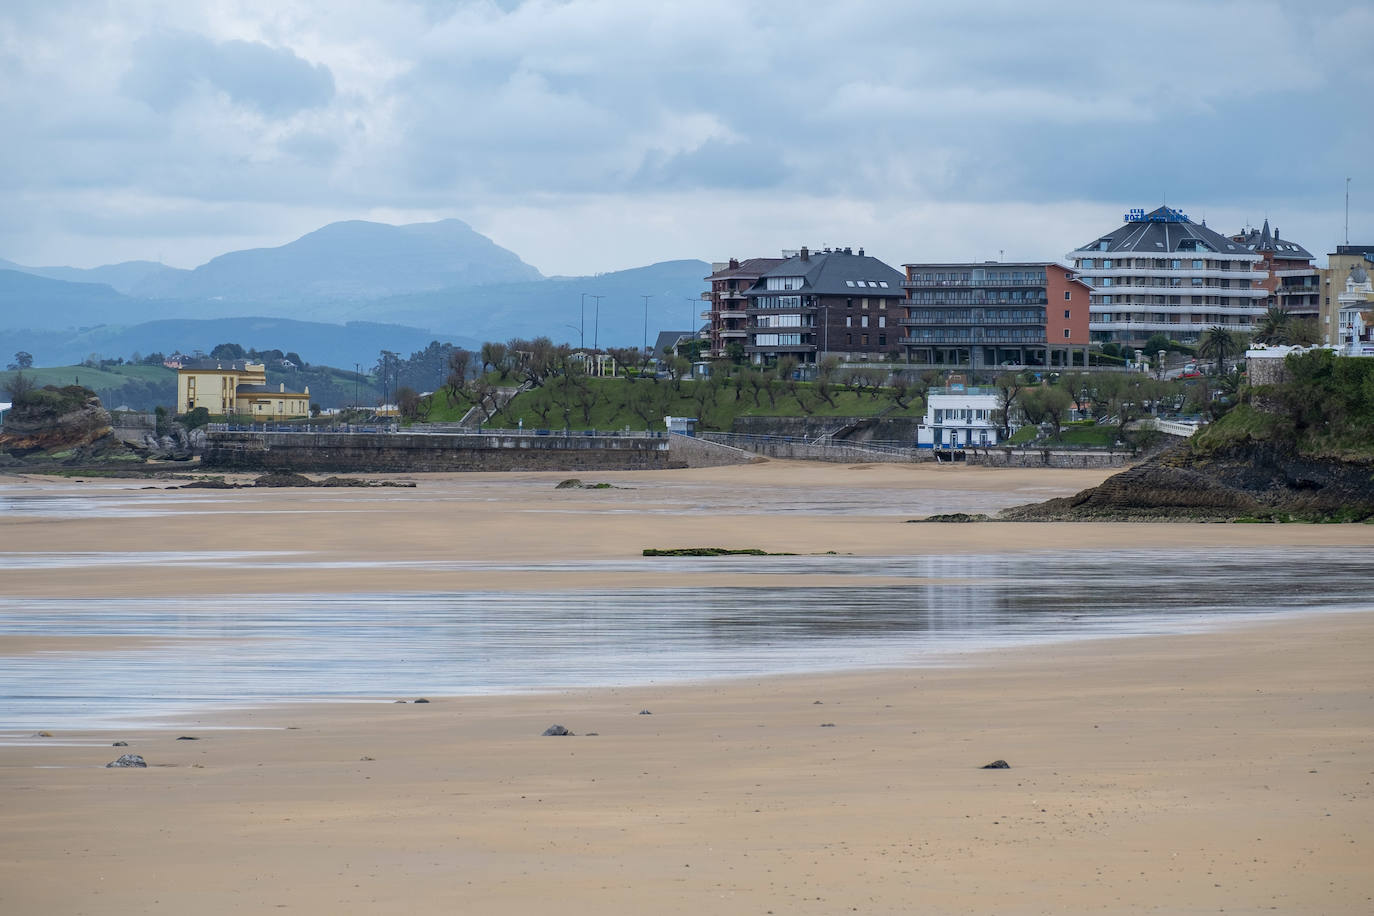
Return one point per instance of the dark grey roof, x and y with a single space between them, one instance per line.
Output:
1163 231
668 339
748 269
1262 240
837 273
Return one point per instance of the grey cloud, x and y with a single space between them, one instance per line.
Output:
169 68
715 164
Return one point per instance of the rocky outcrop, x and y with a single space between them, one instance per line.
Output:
60 426
1259 480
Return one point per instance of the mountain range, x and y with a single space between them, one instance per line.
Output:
360 286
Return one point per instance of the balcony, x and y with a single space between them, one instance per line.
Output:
936 284
970 303
730 333
948 340
978 321
733 313
730 294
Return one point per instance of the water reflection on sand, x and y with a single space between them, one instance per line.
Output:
250 649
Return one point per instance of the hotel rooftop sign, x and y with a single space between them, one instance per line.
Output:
1162 215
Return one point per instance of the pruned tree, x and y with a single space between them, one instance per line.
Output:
1009 386
826 371
494 357
457 381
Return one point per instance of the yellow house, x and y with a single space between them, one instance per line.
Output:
237 387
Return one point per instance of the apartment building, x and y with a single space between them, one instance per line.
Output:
1160 272
992 314
1339 264
1293 281
1356 314
833 302
726 314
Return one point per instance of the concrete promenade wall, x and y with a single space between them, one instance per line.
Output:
1047 458
696 452
352 452
837 451
899 429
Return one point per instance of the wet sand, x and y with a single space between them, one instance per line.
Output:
1223 771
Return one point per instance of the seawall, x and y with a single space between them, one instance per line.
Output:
402 451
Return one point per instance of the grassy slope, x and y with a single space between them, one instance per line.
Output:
113 377
611 409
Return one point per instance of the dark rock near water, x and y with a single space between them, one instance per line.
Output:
997 765
645 712
421 700
1256 481
127 760
283 479
556 731
572 483
187 738
216 483
120 744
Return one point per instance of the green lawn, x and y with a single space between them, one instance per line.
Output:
1084 436
618 403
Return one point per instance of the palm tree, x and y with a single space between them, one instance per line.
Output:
1274 327
1218 343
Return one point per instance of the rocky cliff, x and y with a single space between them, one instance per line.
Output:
1252 480
59 425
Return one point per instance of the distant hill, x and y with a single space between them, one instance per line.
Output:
352 261
132 278
319 343
501 311
27 300
443 276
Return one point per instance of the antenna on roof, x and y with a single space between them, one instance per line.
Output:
1347 211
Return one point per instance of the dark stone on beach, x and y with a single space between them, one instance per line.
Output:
127 760
283 479
645 712
997 765
556 731
186 738
213 484
42 734
400 701
120 744
421 700
572 483
827 725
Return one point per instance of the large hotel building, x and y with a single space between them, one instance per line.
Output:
1161 272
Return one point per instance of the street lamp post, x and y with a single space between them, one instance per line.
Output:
582 323
596 323
580 342
646 328
357 374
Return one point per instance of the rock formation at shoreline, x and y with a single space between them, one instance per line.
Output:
60 426
1259 481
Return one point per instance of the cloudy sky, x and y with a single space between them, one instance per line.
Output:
594 135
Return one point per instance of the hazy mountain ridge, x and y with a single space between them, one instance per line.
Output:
344 272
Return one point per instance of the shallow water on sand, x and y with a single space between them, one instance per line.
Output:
196 653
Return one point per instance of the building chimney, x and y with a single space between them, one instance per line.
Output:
805 255
734 263
848 250
861 252
1276 233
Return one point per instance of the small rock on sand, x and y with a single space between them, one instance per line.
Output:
997 765
556 731
127 760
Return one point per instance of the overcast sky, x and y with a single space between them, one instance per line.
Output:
594 135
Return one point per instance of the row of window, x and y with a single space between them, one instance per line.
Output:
1172 300
988 314
957 276
1020 334
979 295
877 284
1171 282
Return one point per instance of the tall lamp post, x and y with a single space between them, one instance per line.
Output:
579 335
582 323
596 323
357 374
646 328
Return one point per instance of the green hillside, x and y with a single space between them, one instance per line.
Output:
140 387
592 403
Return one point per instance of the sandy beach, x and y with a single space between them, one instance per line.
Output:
1219 771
